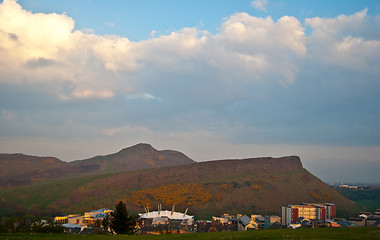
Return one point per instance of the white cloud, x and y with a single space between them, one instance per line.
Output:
105 66
345 41
37 47
260 4
26 35
110 24
153 33
247 50
275 46
247 47
144 96
7 115
87 93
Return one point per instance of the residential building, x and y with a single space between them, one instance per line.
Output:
270 220
245 223
313 212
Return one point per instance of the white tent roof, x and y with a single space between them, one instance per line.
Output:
166 213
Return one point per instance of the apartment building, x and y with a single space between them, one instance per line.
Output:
308 211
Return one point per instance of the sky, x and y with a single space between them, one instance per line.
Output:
213 79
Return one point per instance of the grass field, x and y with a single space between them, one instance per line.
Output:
321 233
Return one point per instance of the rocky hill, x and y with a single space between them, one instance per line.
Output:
140 156
19 169
254 185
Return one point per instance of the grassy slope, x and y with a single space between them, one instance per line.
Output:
88 193
321 233
44 194
369 197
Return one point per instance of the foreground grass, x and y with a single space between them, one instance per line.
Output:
321 233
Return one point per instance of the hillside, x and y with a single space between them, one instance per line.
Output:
22 169
15 164
140 156
255 185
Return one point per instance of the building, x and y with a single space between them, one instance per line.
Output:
367 219
96 216
89 220
69 219
164 221
270 221
330 209
245 223
313 212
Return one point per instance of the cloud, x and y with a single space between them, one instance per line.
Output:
144 96
265 43
345 41
105 66
7 115
19 29
39 62
257 80
110 24
260 4
57 53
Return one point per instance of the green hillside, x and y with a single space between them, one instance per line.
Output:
247 186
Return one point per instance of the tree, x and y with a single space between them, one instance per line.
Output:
106 224
121 221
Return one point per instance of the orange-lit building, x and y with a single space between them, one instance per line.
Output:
308 211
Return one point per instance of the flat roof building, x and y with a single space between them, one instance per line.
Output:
308 211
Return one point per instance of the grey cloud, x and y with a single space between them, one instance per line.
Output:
12 36
40 62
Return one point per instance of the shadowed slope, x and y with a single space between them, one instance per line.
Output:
255 185
14 164
19 169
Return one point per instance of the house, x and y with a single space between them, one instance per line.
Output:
245 223
366 219
358 221
345 223
260 220
270 221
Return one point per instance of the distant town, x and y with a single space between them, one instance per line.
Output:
304 215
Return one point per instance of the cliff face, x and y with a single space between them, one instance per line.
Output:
255 164
250 186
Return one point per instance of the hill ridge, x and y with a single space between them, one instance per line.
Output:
251 185
139 156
